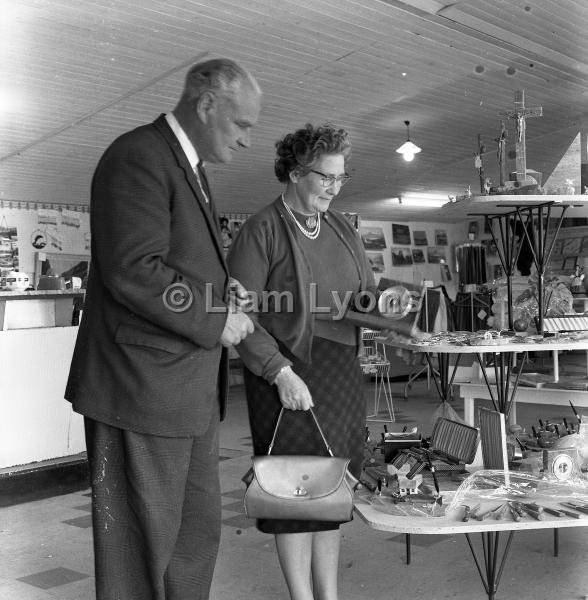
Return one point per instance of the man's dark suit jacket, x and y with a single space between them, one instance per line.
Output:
137 364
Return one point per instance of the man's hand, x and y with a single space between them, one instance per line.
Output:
294 394
237 327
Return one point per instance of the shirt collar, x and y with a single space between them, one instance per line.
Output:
184 140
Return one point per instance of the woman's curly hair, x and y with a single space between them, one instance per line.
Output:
299 150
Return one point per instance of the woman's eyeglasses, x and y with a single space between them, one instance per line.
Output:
329 180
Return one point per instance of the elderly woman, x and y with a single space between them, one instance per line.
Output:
302 263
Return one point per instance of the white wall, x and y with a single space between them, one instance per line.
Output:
457 233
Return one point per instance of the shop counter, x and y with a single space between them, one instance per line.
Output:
37 308
36 423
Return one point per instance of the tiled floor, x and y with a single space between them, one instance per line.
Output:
46 551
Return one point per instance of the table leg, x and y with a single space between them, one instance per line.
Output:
407 539
512 415
555 366
443 382
504 367
555 541
493 564
468 411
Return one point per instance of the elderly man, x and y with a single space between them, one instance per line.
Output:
149 371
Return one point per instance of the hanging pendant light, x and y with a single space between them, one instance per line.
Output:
408 149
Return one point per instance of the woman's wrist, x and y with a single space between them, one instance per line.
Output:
280 372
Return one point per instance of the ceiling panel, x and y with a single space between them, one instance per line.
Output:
82 72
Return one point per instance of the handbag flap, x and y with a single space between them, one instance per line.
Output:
298 476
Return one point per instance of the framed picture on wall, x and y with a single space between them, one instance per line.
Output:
557 246
418 256
571 245
376 261
400 234
445 272
569 263
419 238
473 230
372 238
401 257
440 237
436 255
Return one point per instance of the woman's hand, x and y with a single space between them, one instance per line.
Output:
239 296
294 395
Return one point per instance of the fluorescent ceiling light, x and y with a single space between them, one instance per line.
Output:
9 101
424 200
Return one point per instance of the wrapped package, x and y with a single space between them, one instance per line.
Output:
512 486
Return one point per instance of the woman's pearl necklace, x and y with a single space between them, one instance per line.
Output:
311 235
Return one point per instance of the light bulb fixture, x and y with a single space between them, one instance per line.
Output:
408 149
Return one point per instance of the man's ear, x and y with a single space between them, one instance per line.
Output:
294 176
205 104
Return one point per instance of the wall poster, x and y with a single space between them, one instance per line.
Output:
8 246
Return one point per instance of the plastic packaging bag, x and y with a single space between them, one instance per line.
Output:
445 411
501 485
557 298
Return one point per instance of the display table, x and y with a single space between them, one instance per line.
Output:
490 530
529 395
507 366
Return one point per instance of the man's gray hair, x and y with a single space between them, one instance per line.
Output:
220 75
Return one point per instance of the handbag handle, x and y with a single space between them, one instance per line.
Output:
271 446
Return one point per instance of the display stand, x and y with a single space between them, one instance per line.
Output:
377 365
467 308
471 263
528 211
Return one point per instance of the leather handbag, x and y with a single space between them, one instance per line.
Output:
306 488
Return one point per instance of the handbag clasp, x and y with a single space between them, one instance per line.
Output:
300 491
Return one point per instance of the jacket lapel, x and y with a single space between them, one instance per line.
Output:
206 208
